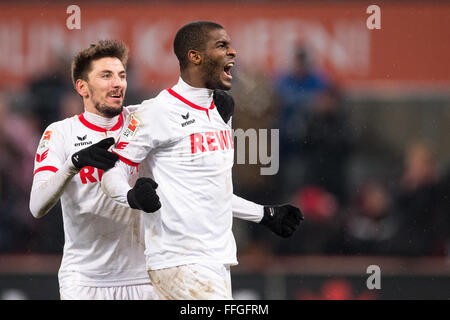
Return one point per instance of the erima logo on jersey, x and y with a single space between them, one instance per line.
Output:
214 141
184 124
79 144
84 143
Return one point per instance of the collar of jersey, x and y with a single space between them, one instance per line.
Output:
92 126
189 103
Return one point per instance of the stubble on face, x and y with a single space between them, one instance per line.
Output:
217 54
211 72
104 109
106 86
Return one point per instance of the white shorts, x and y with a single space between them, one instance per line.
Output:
193 282
131 292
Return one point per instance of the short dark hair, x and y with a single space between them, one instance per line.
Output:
192 36
81 64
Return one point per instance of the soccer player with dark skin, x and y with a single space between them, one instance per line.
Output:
189 241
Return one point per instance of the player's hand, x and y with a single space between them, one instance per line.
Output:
282 220
96 156
224 103
143 196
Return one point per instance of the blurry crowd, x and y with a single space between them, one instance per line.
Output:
408 215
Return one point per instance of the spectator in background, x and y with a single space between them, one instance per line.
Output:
20 135
70 105
327 144
442 221
48 90
321 210
295 92
418 200
371 225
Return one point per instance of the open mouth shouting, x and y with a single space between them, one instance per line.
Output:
227 70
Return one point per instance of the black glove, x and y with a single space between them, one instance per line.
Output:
282 220
224 103
143 196
96 156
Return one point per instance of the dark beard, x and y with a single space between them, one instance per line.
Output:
107 111
211 75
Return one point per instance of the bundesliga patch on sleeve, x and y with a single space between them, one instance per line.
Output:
45 139
132 127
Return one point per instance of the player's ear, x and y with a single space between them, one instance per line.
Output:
195 57
82 88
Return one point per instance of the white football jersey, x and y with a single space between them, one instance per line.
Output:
180 140
104 241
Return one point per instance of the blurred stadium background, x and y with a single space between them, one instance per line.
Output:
364 120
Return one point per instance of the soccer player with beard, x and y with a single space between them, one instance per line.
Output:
103 256
182 140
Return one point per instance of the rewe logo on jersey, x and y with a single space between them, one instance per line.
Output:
42 156
87 175
184 124
211 141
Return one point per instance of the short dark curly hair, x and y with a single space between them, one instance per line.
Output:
81 64
192 36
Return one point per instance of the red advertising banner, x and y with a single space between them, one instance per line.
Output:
411 47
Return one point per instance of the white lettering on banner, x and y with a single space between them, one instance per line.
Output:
152 44
11 38
252 43
345 46
30 49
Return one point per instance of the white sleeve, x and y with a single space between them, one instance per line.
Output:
48 187
115 182
247 210
53 170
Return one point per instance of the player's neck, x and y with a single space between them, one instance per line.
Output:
101 121
192 86
192 78
199 96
